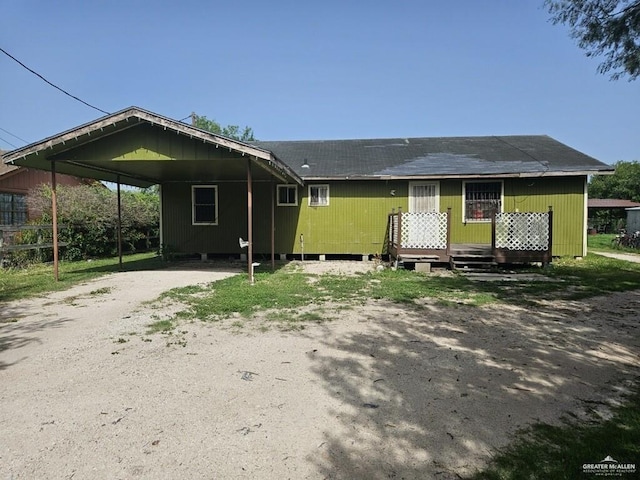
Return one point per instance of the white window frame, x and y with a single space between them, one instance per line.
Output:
464 200
319 185
436 184
288 187
193 204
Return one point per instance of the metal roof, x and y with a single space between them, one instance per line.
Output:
611 203
438 157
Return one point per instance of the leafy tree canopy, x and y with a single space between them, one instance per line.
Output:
232 131
624 183
608 28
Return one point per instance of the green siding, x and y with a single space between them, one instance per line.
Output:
564 194
355 222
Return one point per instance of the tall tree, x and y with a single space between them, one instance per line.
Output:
608 28
624 183
232 131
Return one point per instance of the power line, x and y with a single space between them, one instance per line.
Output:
8 142
15 136
53 85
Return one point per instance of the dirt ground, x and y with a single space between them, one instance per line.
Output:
382 392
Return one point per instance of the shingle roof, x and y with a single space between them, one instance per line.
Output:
531 155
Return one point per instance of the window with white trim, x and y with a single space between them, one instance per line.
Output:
481 199
13 209
318 195
287 195
204 204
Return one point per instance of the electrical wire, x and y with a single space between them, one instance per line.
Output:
13 135
52 84
8 142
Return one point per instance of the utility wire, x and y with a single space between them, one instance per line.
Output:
8 142
53 85
15 136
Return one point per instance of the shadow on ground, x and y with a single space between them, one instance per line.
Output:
431 392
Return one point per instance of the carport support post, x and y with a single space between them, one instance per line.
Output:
119 225
273 227
54 219
249 221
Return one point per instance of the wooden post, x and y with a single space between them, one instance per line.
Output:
399 230
249 221
119 225
54 220
448 250
273 227
493 231
550 233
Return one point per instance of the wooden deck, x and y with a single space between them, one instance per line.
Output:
515 238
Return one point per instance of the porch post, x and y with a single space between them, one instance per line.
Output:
54 220
550 233
399 230
119 225
273 227
448 251
249 221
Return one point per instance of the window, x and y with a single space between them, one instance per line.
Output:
13 209
287 195
204 203
481 199
318 195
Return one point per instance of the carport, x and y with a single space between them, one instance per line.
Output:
140 148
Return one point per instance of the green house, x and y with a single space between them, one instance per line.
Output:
332 198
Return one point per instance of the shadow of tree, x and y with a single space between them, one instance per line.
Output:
17 331
430 392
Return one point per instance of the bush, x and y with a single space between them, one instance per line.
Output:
88 219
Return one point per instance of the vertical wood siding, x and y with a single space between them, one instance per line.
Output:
355 222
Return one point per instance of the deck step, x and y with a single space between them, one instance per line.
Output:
473 262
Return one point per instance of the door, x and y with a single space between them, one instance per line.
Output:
423 231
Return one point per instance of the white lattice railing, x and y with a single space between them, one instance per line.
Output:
522 231
425 230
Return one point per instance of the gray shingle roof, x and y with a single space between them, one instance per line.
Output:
529 155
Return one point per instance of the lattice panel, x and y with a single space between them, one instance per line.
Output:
522 231
425 230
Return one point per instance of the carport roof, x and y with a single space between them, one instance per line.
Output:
70 149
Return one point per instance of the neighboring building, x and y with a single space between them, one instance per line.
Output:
15 184
331 197
607 215
633 219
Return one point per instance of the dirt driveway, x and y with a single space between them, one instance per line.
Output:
384 391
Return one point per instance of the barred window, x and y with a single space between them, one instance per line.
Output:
481 199
13 209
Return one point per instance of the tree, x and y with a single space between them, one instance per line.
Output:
624 183
232 131
609 28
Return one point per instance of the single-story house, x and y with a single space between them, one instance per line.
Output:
15 184
606 215
416 197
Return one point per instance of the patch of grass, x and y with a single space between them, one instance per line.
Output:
161 326
544 451
100 291
603 242
16 284
594 275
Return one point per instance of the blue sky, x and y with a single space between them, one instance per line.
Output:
314 69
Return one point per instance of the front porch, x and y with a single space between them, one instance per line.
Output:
426 237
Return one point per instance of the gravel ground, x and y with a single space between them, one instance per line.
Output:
383 391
